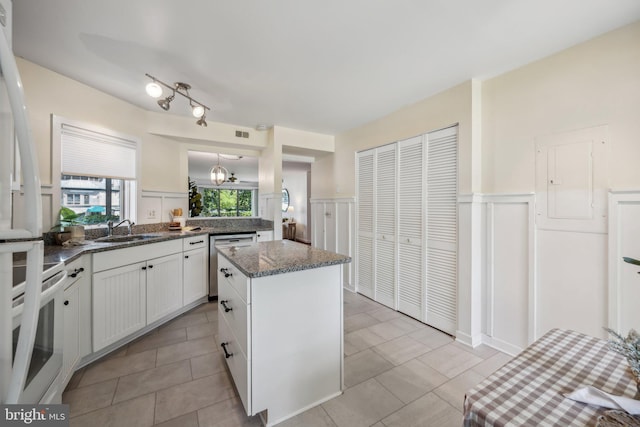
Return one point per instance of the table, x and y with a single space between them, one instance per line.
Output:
528 391
289 230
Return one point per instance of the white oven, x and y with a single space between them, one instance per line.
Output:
46 359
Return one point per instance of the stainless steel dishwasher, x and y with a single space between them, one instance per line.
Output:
218 241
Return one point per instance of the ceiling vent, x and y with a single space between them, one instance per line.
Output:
241 134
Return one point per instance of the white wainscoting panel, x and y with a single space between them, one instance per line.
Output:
470 269
155 206
333 229
270 208
624 278
509 315
48 195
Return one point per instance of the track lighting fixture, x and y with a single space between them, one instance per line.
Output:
154 89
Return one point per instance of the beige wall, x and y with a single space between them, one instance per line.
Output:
441 110
595 83
49 93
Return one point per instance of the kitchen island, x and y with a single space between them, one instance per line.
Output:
281 326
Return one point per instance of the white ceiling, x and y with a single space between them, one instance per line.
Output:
323 66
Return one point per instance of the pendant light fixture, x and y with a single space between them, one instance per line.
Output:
198 109
219 174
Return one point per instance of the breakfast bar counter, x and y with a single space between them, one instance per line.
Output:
279 256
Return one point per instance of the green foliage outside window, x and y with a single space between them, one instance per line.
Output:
226 202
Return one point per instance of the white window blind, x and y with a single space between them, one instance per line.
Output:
91 153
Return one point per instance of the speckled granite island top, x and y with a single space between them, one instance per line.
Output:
279 256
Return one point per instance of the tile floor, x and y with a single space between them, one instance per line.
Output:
398 372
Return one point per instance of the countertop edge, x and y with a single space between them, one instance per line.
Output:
342 259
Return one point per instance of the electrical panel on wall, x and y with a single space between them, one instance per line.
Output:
572 179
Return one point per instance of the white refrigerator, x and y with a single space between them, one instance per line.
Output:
15 137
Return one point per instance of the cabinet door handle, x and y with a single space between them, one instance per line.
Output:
196 243
144 268
226 272
76 271
151 266
186 256
223 303
226 353
66 302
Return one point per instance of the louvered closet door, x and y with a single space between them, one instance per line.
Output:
385 225
442 229
365 216
411 277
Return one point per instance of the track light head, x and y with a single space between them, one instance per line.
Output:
197 110
154 90
202 121
165 104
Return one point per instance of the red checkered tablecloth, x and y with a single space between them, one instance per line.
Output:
529 390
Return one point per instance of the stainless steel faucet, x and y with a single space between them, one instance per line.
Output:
110 226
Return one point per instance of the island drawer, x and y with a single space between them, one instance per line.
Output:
234 311
228 273
236 361
195 242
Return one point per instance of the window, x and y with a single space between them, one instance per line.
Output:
98 172
218 202
101 198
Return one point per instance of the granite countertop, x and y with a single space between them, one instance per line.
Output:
67 254
279 256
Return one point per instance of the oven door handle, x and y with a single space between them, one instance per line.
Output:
45 296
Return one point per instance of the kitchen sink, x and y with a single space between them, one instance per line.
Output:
127 238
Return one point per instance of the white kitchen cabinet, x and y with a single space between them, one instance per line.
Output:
282 338
133 287
119 303
77 317
70 347
195 269
164 286
264 236
78 280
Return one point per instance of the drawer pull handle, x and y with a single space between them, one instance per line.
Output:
226 353
151 266
196 243
226 272
66 302
223 303
76 271
186 256
144 268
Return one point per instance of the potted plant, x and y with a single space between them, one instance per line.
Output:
68 226
628 346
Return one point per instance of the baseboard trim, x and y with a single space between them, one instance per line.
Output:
468 340
503 346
